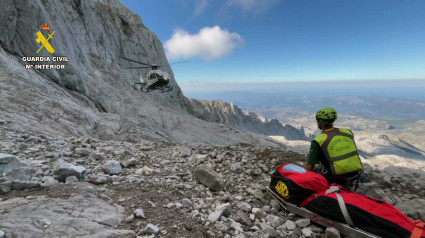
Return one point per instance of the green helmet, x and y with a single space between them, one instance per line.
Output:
326 114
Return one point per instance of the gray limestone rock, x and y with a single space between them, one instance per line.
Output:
153 228
186 202
215 216
82 151
290 225
139 213
62 170
5 187
301 223
275 204
259 213
235 167
129 218
307 232
112 167
23 173
112 234
98 156
276 221
379 194
332 232
129 162
21 185
99 179
48 181
77 216
184 151
71 179
178 206
414 208
209 178
9 162
243 218
256 172
244 206
258 194
270 231
226 208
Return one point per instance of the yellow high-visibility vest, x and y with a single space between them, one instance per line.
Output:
340 150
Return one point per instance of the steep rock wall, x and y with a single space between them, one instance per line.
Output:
93 35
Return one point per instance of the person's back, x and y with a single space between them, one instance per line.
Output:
335 149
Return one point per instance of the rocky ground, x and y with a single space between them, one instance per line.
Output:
83 187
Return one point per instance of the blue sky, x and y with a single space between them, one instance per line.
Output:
260 41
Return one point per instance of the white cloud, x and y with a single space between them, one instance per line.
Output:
254 6
210 43
200 7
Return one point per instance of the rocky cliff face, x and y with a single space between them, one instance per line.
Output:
93 35
93 95
93 86
229 114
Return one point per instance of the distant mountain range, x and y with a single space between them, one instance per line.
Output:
374 107
217 111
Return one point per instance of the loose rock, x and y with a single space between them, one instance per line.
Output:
307 232
209 178
244 206
139 213
9 162
112 167
290 225
152 227
302 223
331 232
62 170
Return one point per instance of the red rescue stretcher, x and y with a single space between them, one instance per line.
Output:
343 228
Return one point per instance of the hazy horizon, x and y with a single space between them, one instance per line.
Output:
404 89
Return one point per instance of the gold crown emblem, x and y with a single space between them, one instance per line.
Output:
45 27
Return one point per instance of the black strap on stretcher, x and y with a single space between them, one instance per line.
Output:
344 229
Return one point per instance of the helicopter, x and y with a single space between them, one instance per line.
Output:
156 79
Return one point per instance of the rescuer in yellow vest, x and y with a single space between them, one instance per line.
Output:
336 150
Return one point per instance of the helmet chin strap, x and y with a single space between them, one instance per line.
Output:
322 126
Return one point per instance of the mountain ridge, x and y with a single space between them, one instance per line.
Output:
375 107
231 115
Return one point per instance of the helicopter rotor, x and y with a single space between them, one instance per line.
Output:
146 65
139 67
180 62
135 61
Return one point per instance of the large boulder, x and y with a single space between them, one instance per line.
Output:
9 162
209 178
62 170
80 216
20 174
